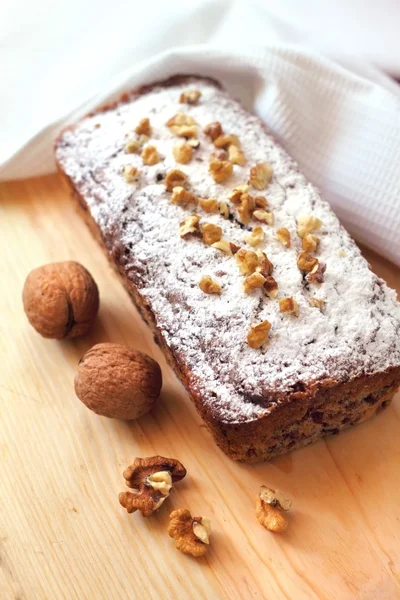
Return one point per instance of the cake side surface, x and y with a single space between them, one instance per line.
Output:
354 337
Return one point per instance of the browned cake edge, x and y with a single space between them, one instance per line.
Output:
301 417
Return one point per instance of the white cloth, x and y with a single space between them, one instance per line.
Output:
343 129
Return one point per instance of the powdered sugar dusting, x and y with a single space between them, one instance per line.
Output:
356 334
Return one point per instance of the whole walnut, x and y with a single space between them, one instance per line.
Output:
118 382
61 300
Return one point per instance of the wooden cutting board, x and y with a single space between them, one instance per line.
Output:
63 533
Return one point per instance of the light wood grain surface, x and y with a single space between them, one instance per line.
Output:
63 533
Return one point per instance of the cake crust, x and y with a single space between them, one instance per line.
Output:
257 403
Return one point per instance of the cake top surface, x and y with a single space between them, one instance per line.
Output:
354 332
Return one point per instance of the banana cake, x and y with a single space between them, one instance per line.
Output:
260 299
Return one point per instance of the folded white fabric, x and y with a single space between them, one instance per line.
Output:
343 129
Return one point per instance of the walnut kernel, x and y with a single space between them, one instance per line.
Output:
261 202
271 287
236 156
289 305
182 125
150 155
223 209
283 235
131 173
209 285
260 175
264 216
189 226
152 479
317 273
191 534
270 506
225 141
183 153
143 127
213 130
307 224
175 178
236 194
256 280
209 205
246 208
182 197
190 97
316 303
247 261
211 233
256 237
306 262
310 242
220 170
132 146
265 266
258 334
226 247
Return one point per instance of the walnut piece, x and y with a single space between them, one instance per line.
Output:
183 153
190 97
211 233
260 175
261 202
283 235
258 334
265 266
118 382
213 130
209 285
236 156
150 155
307 224
220 170
225 141
316 303
247 261
209 205
175 178
236 194
182 197
264 216
223 209
132 147
289 306
189 226
246 208
317 273
152 480
191 534
182 125
306 262
270 508
143 127
131 173
226 247
256 237
61 300
253 281
310 242
271 287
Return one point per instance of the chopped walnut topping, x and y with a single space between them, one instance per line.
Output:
194 143
182 125
310 242
150 155
213 130
260 175
258 334
289 305
270 506
246 208
224 141
283 235
317 273
261 202
175 178
271 287
183 153
131 174
247 261
143 127
209 205
132 147
264 216
237 193
306 262
220 170
182 197
209 285
189 226
253 281
265 266
236 156
223 209
316 303
307 224
226 247
211 233
190 97
256 237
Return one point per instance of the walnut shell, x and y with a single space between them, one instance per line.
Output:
61 300
118 382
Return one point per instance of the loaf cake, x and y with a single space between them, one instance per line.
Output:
260 299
